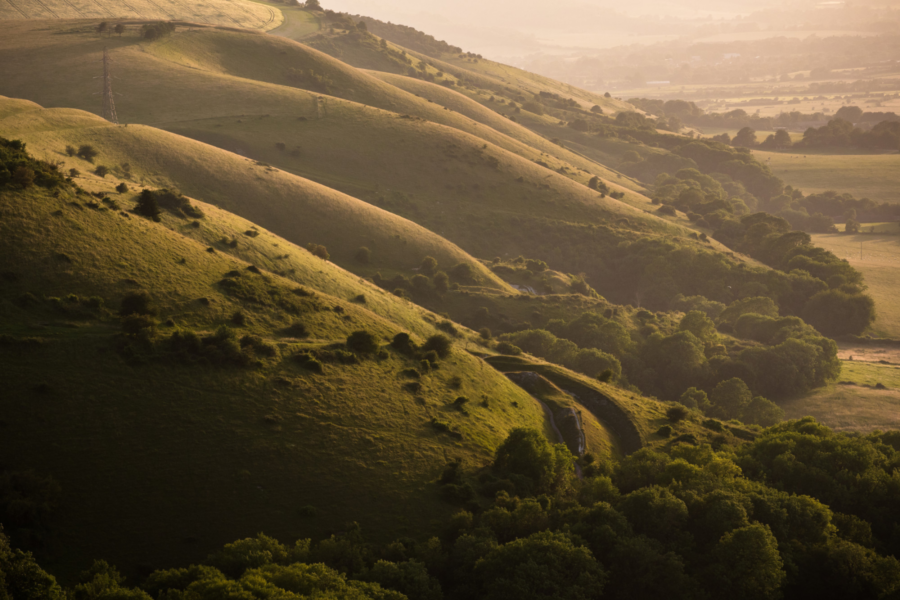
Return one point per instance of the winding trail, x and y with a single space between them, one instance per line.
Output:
559 435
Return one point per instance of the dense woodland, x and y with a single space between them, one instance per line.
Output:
799 512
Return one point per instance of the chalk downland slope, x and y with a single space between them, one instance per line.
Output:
487 200
299 210
261 441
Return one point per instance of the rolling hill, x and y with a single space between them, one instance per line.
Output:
258 441
299 210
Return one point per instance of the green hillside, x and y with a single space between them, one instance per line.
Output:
299 210
431 167
247 434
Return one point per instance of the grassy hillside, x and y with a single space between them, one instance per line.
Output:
301 211
260 447
873 176
229 13
442 178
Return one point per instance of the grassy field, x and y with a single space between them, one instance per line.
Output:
228 13
880 265
856 406
297 23
873 176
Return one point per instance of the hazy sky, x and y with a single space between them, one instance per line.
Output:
507 28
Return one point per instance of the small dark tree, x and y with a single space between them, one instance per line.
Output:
312 5
74 172
70 150
120 29
136 303
87 152
363 255
121 188
23 176
428 266
101 171
676 413
103 27
147 205
441 282
438 343
318 250
596 110
362 342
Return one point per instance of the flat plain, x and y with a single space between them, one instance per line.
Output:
873 176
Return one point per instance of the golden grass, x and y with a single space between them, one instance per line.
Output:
228 13
302 211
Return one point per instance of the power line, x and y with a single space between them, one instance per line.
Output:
109 106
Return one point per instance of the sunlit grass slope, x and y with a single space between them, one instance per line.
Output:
229 71
300 210
480 196
229 13
161 461
462 104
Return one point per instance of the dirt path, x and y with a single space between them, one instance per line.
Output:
559 435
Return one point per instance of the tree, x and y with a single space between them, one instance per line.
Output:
748 565
120 29
700 325
440 344
103 27
836 312
318 250
312 5
596 110
23 176
543 565
441 282
147 205
730 398
783 139
745 138
87 152
363 255
21 578
526 453
70 150
101 171
428 266
136 303
362 342
122 188
694 398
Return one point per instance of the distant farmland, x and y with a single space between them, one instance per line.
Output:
229 13
873 176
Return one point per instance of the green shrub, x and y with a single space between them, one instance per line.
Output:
676 413
136 303
363 255
440 344
147 205
87 152
362 342
664 431
508 349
